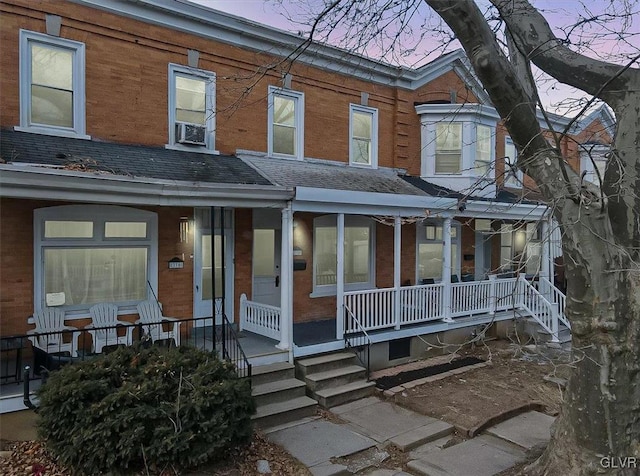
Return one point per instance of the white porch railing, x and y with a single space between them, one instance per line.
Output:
558 299
262 319
374 309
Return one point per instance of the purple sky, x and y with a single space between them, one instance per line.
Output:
559 13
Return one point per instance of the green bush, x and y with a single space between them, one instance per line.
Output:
135 408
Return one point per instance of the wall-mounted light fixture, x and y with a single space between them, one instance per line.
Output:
176 263
184 229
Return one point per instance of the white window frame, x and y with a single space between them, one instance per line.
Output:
511 179
421 238
449 151
98 214
210 108
298 98
373 112
328 221
78 78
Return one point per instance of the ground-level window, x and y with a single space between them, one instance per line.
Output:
430 244
86 255
358 252
520 247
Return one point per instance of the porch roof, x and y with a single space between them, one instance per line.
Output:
325 186
61 168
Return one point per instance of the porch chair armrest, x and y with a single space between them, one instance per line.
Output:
129 330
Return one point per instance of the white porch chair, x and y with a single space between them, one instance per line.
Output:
152 320
51 320
106 315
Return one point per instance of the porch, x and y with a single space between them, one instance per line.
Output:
245 350
378 315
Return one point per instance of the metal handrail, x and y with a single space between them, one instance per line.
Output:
234 354
348 338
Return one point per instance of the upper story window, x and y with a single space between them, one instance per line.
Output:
88 254
52 89
286 123
448 157
191 108
512 176
458 140
593 162
363 146
484 148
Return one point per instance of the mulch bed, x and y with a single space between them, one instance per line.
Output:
391 381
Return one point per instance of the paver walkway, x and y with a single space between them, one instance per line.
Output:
370 423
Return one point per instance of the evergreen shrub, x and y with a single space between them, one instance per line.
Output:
149 409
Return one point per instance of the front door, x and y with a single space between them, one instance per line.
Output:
203 270
266 266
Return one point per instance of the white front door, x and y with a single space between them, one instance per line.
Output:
266 266
203 276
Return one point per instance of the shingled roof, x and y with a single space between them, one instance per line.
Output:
127 160
331 175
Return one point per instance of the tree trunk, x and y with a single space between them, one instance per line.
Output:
598 430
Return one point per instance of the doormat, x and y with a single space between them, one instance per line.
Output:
391 381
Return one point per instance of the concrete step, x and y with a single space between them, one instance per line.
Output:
278 413
323 363
331 397
268 373
335 377
278 391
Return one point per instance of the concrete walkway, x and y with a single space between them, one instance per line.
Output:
356 442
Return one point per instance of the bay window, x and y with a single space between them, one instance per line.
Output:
448 148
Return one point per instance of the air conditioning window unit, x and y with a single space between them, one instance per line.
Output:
193 134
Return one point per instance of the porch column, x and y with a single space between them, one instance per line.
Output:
446 269
397 247
340 277
286 280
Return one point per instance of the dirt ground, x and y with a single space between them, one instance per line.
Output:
515 377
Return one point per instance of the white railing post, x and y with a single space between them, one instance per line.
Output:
243 312
397 247
493 298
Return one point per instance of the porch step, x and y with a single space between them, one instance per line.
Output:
323 363
269 373
330 397
541 335
278 413
279 396
278 391
335 377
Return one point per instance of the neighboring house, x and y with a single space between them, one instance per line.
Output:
124 123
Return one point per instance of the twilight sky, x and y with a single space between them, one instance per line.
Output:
560 13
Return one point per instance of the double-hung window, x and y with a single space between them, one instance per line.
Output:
358 253
430 243
520 247
484 142
448 148
363 146
86 255
52 89
512 176
286 123
191 109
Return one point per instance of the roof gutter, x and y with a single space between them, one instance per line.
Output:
88 187
322 200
